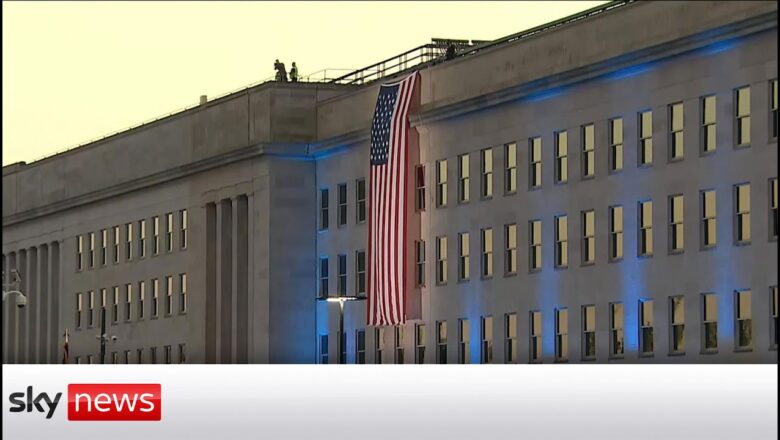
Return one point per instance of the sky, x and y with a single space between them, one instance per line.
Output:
77 71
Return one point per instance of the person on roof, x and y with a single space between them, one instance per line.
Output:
294 73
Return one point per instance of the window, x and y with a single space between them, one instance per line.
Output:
616 332
114 357
775 336
182 354
709 323
708 219
441 260
510 173
742 213
419 177
360 273
561 335
510 245
744 319
742 114
140 355
510 338
773 109
141 238
646 228
80 253
561 157
360 201
561 242
464 181
646 327
463 257
79 308
90 359
91 315
398 344
535 163
129 241
168 354
708 124
535 244
419 262
487 253
676 236
324 209
342 275
116 244
487 340
588 150
588 237
419 344
342 348
774 219
379 344
182 293
616 144
441 342
115 306
91 250
169 233
535 336
646 138
677 321
323 349
487 173
127 356
141 299
128 301
342 205
155 235
360 347
676 134
104 247
155 297
77 360
103 299
589 333
441 183
153 355
168 295
323 277
183 229
463 342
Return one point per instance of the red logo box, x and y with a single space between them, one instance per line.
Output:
114 402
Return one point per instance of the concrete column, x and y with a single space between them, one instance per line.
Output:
6 309
34 305
21 329
54 301
43 311
211 283
242 279
233 299
251 355
225 272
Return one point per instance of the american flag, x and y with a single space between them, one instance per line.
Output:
388 191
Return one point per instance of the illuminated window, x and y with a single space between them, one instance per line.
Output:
588 150
360 201
155 297
420 187
775 336
535 163
183 229
103 299
398 344
463 342
486 333
169 232
616 144
128 302
676 236
115 306
561 157
441 342
487 173
510 338
535 244
464 181
561 335
510 173
676 133
360 347
709 322
342 205
116 244
487 253
441 183
646 138
141 299
510 253
141 238
342 278
646 228
677 321
182 293
774 219
588 237
379 344
360 273
91 250
708 219
168 295
441 260
323 277
742 213
773 108
561 241
646 327
91 315
80 253
463 256
182 354
742 115
79 308
155 235
104 247
419 262
129 241
708 124
589 333
535 336
616 330
744 321
324 205
419 344
323 349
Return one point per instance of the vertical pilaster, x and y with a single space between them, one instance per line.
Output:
225 284
54 300
242 277
211 283
44 311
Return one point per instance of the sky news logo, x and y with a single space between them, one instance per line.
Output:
96 402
